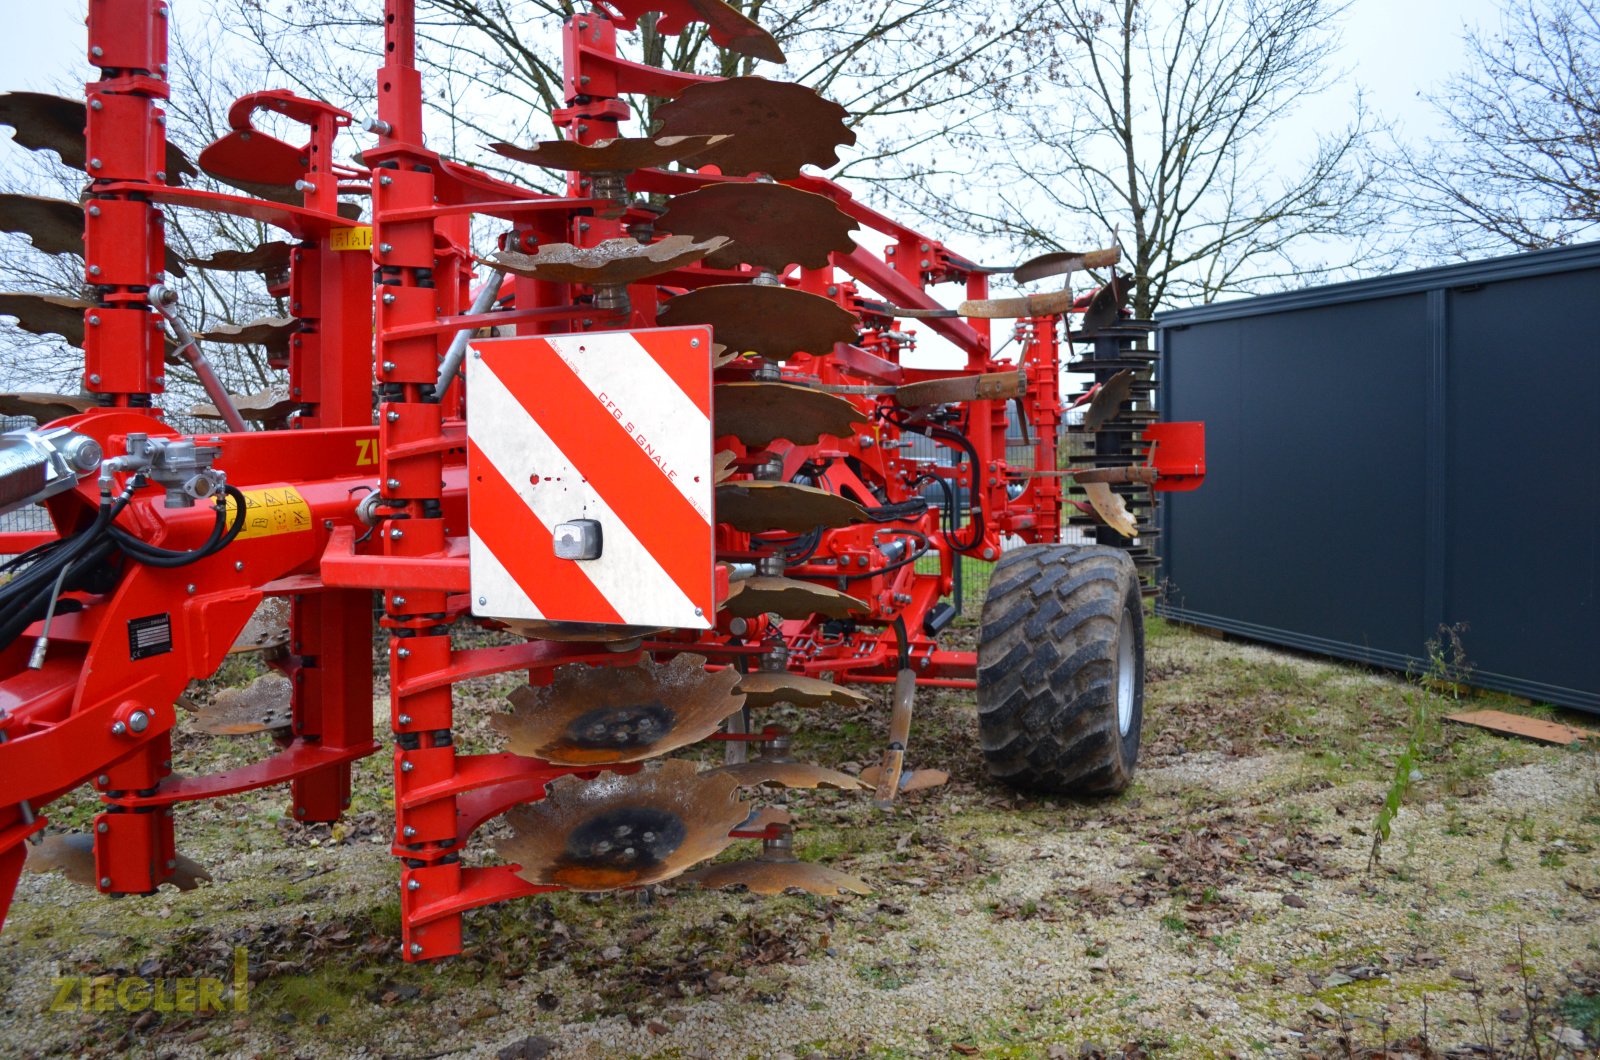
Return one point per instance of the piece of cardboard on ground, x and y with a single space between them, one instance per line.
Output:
1518 725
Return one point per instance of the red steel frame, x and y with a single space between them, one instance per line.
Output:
56 723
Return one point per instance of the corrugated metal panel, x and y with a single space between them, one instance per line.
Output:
1395 456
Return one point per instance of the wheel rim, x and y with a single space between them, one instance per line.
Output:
1126 672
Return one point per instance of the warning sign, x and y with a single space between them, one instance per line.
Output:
280 510
358 237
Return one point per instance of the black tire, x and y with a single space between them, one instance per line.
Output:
1062 625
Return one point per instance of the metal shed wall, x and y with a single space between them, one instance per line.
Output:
1396 455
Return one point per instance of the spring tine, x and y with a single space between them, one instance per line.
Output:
1111 508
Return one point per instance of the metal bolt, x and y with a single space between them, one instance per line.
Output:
412 885
392 416
102 780
405 767
138 721
118 728
404 719
396 534
299 811
238 564
392 483
408 831
190 588
384 182
94 318
97 51
172 863
833 289
694 344
699 612
96 105
161 174
399 601
105 881
388 299
483 601
102 828
404 653
94 163
94 270
94 211
384 248
95 378
416 948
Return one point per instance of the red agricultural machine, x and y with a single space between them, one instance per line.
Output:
662 432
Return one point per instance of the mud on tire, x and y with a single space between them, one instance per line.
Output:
1061 670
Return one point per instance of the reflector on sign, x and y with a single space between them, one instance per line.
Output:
589 478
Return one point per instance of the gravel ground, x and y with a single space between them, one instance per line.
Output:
1225 906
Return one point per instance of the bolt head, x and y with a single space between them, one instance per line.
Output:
94 270
384 248
399 601
404 719
412 885
483 601
238 565
119 728
392 416
416 949
396 534
404 653
105 881
102 828
172 863
97 51
138 721
95 378
190 588
102 780
408 831
405 767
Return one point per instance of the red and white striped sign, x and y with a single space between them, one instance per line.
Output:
609 426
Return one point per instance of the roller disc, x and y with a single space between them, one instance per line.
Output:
758 506
775 877
271 332
772 225
788 598
993 386
271 257
43 122
760 413
765 688
613 261
1108 400
1111 508
610 156
787 775
43 407
268 627
264 704
589 715
775 322
272 405
729 27
777 126
624 831
72 854
45 314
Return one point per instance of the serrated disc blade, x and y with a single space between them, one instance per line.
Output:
1105 308
993 386
729 26
1108 400
612 261
610 156
271 332
45 314
268 627
54 226
264 406
55 123
270 257
765 688
264 704
760 413
72 854
1111 508
788 598
910 779
755 506
772 225
787 775
775 877
624 831
589 715
43 407
777 126
775 322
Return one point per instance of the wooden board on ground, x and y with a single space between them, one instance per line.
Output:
1518 725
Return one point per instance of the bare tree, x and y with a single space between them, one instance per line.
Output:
1157 120
1520 168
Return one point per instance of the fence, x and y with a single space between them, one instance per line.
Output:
1395 459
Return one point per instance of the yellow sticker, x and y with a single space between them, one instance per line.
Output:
357 238
272 511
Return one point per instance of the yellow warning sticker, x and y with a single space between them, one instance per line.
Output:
272 511
357 238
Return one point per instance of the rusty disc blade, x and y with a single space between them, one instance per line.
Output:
765 688
578 632
43 122
992 386
1063 262
910 779
1032 305
758 506
271 332
1105 308
269 257
764 818
55 226
788 598
590 715
45 314
624 831
760 413
775 877
777 126
43 407
613 261
610 156
775 322
1108 400
722 465
1111 508
728 26
264 704
772 225
787 775
72 854
272 405
268 627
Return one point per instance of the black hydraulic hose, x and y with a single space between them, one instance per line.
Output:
222 534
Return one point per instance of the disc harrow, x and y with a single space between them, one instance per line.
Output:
661 437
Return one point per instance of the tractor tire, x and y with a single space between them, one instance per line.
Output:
1061 670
